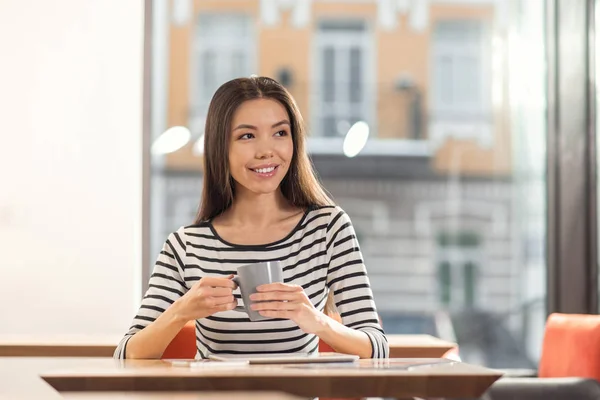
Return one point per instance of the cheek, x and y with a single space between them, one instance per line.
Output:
235 164
238 157
286 150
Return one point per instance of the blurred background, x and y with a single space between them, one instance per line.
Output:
443 173
459 135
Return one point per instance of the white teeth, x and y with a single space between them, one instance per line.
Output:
265 170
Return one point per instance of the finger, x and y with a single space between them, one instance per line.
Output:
217 291
279 286
275 314
217 301
275 296
230 277
224 307
217 282
274 305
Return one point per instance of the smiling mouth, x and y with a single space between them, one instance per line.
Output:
268 171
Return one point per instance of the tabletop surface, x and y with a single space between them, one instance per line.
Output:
20 380
59 340
365 378
113 340
58 345
401 346
420 346
418 340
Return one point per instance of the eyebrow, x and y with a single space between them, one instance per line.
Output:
246 126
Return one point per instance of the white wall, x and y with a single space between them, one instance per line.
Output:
70 165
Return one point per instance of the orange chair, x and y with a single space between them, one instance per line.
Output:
569 367
324 347
571 347
183 344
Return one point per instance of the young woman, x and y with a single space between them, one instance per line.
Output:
260 201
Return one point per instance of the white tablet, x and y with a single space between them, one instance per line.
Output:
288 358
205 363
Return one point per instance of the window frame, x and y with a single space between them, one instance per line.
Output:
365 37
479 49
248 45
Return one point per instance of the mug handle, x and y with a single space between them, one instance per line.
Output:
236 280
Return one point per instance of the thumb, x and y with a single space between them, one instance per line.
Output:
231 277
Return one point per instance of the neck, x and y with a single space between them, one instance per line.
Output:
258 210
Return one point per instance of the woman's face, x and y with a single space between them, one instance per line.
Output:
260 147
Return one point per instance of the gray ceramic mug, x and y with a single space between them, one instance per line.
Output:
251 276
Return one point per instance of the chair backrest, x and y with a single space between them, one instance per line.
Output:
323 346
571 347
183 346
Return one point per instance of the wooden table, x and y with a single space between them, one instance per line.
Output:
400 378
418 346
177 396
58 346
401 346
20 380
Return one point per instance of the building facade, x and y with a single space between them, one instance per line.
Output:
447 203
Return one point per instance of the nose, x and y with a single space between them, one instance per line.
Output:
262 155
264 151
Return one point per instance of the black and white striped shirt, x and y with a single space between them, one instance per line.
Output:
320 254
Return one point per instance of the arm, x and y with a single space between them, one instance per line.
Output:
168 305
360 331
156 321
345 340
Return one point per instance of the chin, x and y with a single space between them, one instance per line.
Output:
264 190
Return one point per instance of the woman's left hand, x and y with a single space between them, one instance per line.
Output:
280 300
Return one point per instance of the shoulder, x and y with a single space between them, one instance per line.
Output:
191 233
178 237
338 217
332 216
175 247
321 214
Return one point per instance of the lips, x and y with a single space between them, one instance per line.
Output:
265 170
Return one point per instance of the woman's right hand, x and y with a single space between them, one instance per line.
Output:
208 296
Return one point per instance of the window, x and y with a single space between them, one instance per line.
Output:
341 89
458 260
224 49
460 84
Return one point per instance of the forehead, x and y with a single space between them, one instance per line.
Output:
259 112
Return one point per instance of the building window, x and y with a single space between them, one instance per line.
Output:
341 92
458 266
224 49
460 83
445 282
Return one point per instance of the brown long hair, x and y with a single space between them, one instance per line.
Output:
300 186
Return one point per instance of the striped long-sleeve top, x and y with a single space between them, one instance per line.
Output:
320 254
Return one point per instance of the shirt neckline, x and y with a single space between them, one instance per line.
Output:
258 246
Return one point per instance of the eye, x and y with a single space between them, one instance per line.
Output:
281 133
246 136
